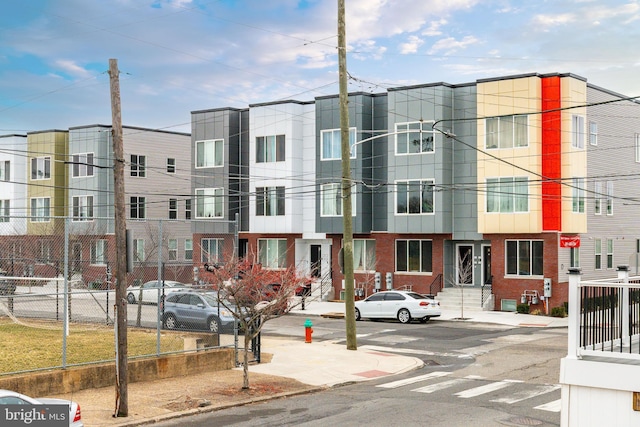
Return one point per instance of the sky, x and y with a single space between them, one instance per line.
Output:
178 56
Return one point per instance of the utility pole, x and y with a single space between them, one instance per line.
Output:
122 405
347 236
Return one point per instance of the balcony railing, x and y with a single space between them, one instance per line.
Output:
604 317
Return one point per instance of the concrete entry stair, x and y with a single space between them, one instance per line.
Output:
452 298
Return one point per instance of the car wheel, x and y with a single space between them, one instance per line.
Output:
214 324
131 299
425 319
358 317
404 316
170 322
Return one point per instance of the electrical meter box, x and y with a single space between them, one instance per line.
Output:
547 287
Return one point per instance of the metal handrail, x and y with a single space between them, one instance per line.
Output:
437 281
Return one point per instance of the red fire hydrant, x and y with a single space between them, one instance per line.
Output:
307 331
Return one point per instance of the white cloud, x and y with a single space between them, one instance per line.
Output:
546 22
450 45
412 45
72 68
434 28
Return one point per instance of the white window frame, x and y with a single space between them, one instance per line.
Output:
404 133
5 170
40 168
522 257
206 159
411 245
40 209
138 250
138 166
82 208
171 165
329 136
173 209
139 206
597 198
574 257
597 251
501 132
609 254
208 199
44 254
364 258
578 195
188 249
609 199
271 148
82 165
272 253
593 133
408 185
5 210
333 192
98 252
272 200
502 195
577 131
172 249
211 249
188 209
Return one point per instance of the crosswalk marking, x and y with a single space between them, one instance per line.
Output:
527 394
487 388
554 406
407 381
441 386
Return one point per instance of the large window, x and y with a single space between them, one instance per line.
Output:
609 253
137 207
506 132
414 138
270 148
173 208
414 256
211 250
414 197
40 209
209 202
41 168
578 195
82 208
138 166
82 165
272 253
364 255
209 153
524 257
99 252
5 170
331 200
331 146
5 210
269 201
577 131
597 244
508 194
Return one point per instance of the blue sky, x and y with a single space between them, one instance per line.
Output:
177 56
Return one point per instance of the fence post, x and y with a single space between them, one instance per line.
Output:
623 274
160 288
573 330
65 284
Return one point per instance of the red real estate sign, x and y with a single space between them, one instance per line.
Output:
569 241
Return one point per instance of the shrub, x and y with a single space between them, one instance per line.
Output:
522 308
536 312
558 312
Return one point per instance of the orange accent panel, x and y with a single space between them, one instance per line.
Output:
551 155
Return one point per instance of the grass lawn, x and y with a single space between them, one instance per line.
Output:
39 345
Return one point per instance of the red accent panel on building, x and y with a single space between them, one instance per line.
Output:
551 155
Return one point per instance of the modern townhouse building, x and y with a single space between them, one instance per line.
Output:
13 200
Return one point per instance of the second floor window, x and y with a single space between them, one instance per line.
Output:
209 203
171 165
269 201
209 153
593 133
414 138
331 145
5 170
506 132
270 148
187 209
40 209
577 131
138 166
41 168
137 207
82 208
82 165
173 208
578 195
507 194
331 200
609 197
597 197
414 197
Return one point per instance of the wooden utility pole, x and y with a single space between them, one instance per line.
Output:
122 406
347 239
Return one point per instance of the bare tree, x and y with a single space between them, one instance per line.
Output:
464 275
254 295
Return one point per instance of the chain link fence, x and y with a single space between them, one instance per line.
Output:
57 290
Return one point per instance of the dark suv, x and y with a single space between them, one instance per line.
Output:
196 310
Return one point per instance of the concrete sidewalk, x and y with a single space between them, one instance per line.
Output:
318 364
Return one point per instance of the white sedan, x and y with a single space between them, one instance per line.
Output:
400 305
150 291
8 397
